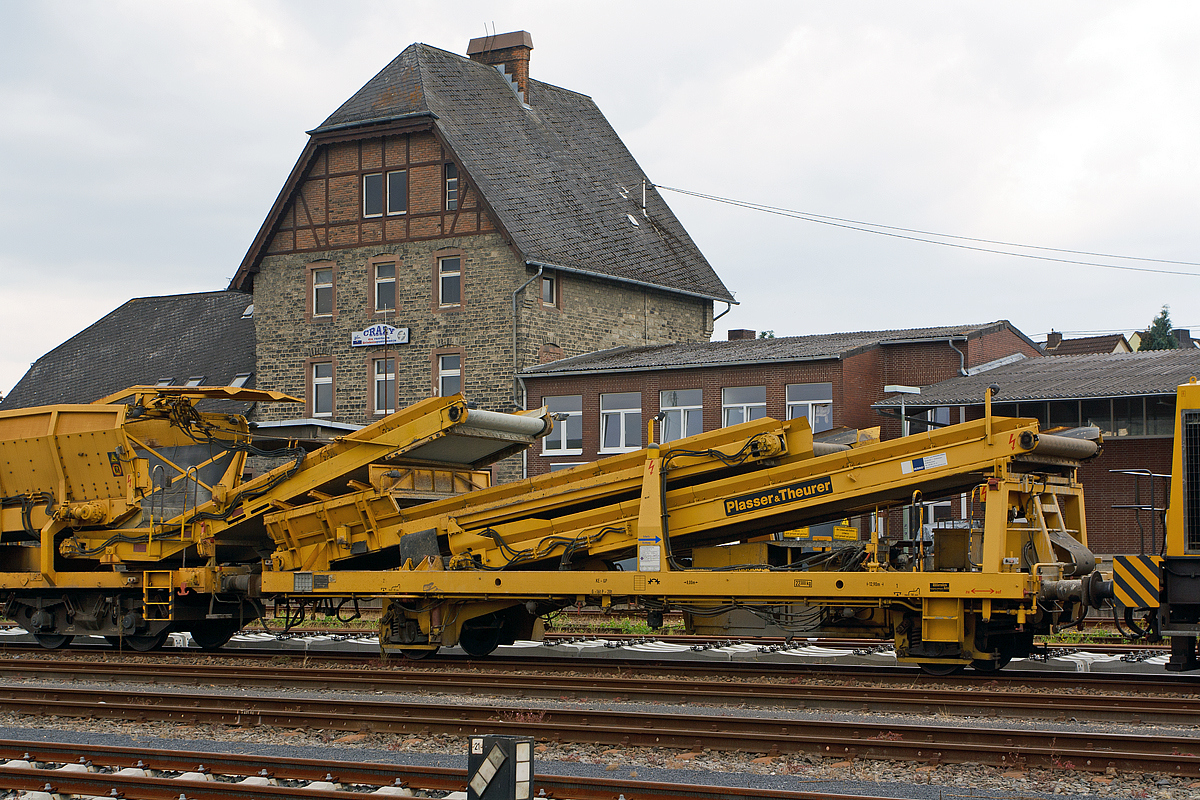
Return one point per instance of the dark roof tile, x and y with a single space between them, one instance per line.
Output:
558 177
1076 377
146 340
748 351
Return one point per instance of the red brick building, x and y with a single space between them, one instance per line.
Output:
832 379
1130 397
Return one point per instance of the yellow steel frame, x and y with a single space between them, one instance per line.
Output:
629 503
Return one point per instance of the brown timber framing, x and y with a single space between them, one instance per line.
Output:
293 187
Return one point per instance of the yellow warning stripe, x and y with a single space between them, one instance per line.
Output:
1136 580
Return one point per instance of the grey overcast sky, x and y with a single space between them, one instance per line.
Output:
146 142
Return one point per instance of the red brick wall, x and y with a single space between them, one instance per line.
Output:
774 377
862 385
1115 531
995 345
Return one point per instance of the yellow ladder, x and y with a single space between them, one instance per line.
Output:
153 585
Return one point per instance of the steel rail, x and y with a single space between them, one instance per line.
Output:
1089 751
1130 683
873 699
348 772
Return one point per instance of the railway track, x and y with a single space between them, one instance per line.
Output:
547 662
170 774
936 742
552 639
1053 702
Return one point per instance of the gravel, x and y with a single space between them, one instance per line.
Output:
865 777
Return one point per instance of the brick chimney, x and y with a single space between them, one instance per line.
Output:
1053 340
507 50
740 333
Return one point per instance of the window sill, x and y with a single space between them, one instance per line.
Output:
550 453
609 451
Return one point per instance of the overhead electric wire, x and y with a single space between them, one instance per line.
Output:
869 227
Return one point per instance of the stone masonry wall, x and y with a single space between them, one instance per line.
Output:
480 329
590 315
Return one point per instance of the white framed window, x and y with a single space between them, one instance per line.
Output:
567 437
385 286
373 195
240 379
397 192
558 467
449 378
549 289
813 401
620 422
940 415
322 287
684 413
195 380
322 389
385 385
451 186
743 403
165 381
450 281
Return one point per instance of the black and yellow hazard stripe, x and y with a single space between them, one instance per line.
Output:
1136 580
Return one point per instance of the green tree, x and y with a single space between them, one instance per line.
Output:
1160 337
766 334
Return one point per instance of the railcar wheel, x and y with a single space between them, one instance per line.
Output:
479 642
142 644
415 654
995 665
213 637
941 670
53 641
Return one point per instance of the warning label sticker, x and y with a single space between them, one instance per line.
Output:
650 558
783 494
928 462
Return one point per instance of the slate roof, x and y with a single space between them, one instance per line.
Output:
143 341
1079 377
1088 344
755 351
556 175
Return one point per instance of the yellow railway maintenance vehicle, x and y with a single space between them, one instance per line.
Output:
479 569
129 517
1167 586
